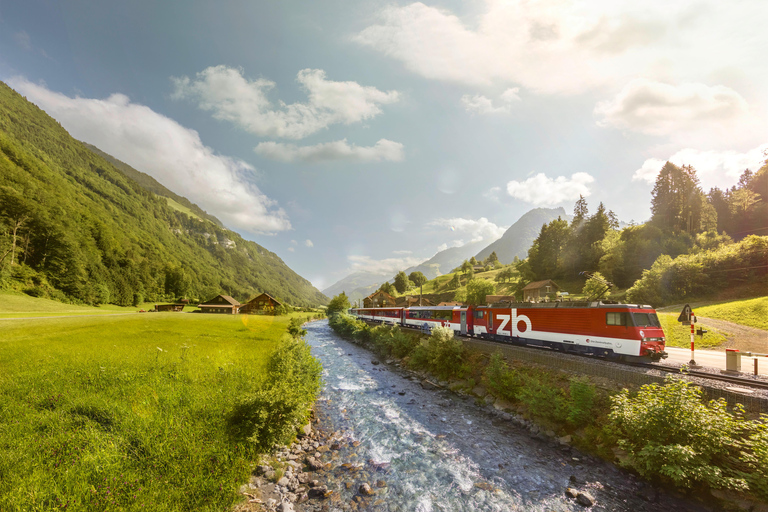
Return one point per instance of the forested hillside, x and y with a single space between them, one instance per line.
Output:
74 227
698 228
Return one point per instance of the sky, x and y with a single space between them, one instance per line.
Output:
368 135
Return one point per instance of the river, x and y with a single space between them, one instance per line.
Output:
433 450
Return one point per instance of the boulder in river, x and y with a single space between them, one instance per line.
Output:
585 499
365 489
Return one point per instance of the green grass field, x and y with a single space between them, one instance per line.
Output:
127 412
16 305
752 312
679 335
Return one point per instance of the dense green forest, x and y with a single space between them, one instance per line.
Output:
75 227
686 249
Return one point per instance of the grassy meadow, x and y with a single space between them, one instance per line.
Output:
127 412
17 304
752 312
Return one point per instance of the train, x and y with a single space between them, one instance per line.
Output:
628 332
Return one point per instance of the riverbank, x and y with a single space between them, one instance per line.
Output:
436 449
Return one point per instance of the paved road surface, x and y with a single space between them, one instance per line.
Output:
715 359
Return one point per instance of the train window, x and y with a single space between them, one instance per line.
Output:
479 314
616 319
646 319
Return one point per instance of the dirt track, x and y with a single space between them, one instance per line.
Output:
746 339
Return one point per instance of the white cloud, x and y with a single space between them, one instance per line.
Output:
442 247
480 229
572 46
402 253
482 105
294 242
541 190
171 153
308 243
387 266
291 249
714 168
332 151
657 108
232 97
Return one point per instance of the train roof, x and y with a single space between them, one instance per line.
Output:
571 304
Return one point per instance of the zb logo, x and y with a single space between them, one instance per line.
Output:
515 319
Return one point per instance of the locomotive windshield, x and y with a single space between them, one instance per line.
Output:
646 319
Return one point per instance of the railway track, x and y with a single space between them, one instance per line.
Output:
731 379
737 381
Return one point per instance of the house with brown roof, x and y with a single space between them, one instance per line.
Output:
223 304
260 304
408 301
451 303
169 307
540 290
379 299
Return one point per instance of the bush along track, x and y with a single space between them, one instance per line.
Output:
665 433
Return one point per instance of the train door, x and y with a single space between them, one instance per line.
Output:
463 323
402 316
490 320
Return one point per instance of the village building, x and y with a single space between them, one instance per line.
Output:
379 299
223 304
408 301
540 290
451 303
260 304
496 299
169 307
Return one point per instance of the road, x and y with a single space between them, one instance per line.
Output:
714 359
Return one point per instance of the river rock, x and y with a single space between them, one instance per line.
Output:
374 362
314 464
502 405
585 499
381 483
320 491
283 481
427 384
285 506
479 391
572 493
366 490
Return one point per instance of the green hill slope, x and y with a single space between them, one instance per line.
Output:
149 183
72 226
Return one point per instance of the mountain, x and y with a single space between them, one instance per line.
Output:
149 183
446 260
520 236
355 281
75 227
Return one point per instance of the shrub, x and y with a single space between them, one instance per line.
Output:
446 354
501 379
670 434
544 399
271 415
582 403
295 328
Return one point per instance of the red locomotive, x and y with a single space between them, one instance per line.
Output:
626 331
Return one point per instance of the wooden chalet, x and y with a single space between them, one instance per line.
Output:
169 307
222 304
379 299
260 304
540 290
408 301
